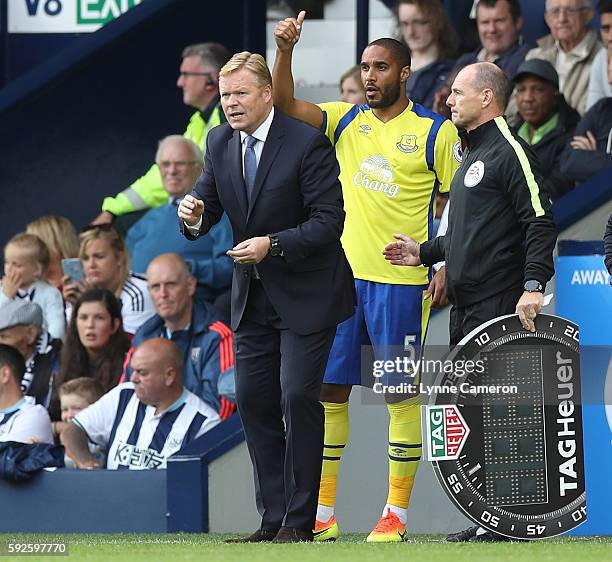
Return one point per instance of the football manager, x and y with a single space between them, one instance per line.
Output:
276 178
501 235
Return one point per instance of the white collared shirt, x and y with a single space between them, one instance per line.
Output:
261 134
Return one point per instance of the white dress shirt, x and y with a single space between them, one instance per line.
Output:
261 134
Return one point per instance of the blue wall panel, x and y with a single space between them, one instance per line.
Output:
85 501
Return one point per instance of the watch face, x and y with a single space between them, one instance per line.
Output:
533 286
513 461
275 249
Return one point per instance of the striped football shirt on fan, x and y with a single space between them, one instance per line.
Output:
134 437
136 304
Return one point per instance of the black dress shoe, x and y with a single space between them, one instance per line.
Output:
261 535
463 536
289 534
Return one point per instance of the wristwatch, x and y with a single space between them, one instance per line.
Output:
275 247
533 286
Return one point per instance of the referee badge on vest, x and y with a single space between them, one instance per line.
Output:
474 174
407 143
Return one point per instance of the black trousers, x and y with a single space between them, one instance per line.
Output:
464 319
279 375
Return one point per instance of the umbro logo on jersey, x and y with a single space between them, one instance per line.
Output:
407 143
364 129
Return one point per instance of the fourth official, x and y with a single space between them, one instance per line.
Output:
501 235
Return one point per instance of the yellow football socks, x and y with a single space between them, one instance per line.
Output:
336 437
404 450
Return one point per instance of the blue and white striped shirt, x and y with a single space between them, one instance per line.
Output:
134 437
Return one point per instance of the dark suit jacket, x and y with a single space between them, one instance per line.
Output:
298 197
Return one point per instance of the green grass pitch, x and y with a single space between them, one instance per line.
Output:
350 547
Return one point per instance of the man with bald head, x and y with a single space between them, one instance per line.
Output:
195 327
142 422
501 235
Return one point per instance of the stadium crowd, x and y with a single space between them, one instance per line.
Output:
115 341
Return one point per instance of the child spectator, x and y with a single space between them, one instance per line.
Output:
26 259
62 241
75 396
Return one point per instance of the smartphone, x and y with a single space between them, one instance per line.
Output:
73 268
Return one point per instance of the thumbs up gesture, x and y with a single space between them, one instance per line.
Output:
287 32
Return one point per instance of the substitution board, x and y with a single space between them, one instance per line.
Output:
506 444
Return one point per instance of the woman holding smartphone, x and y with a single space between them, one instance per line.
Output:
106 266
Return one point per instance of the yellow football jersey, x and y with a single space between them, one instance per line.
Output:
390 173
